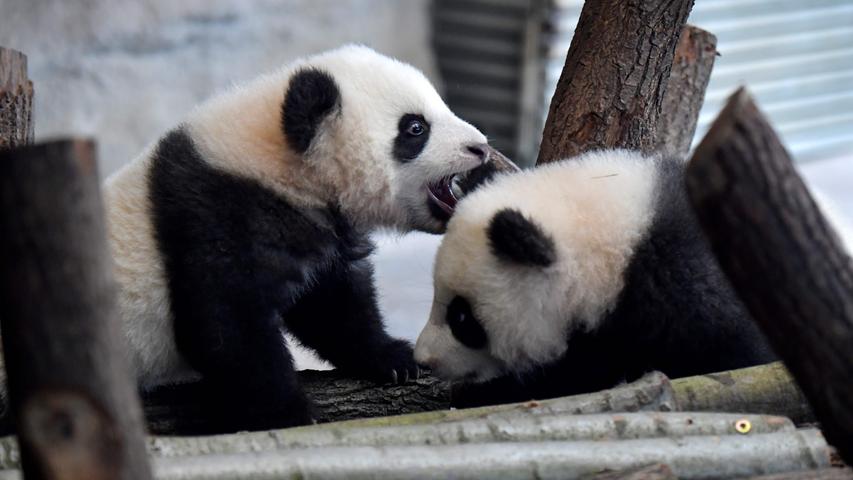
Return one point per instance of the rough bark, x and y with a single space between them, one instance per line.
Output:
70 388
16 100
781 256
685 92
179 409
613 84
767 389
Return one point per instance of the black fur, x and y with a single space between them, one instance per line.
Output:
677 314
311 95
408 146
464 326
516 239
242 263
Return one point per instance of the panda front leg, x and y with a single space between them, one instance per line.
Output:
247 369
340 319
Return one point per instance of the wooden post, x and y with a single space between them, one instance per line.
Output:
781 256
72 394
16 100
612 87
685 92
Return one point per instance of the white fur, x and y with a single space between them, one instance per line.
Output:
240 131
351 164
596 207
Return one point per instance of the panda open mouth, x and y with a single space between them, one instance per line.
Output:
445 192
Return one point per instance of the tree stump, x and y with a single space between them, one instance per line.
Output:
782 257
16 100
685 92
71 390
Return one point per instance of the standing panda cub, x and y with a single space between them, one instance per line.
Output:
578 275
252 218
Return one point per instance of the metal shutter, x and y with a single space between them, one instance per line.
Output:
795 56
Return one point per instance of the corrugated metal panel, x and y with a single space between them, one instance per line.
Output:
501 60
795 56
797 59
489 55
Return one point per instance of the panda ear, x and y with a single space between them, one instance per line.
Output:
311 96
515 238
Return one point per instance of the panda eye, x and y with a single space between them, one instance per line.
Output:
464 325
415 128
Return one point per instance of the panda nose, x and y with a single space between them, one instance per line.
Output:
427 364
480 150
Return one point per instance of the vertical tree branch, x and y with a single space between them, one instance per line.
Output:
685 92
781 256
16 100
72 394
613 84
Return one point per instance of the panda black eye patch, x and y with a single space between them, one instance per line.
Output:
412 137
464 326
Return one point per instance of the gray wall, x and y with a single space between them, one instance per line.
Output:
124 71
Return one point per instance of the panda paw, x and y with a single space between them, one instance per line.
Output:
394 363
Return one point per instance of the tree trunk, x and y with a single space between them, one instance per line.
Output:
781 256
613 84
71 391
180 409
16 100
685 92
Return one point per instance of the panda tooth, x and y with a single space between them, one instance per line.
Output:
455 187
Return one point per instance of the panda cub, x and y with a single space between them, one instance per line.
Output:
578 275
252 217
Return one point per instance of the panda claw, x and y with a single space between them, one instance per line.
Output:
393 376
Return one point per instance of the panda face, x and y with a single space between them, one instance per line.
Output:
489 315
532 257
378 134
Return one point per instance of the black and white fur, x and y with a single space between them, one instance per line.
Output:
251 218
578 275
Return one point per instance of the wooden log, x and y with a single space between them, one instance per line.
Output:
70 386
613 84
685 91
16 100
782 257
180 409
822 474
657 471
765 389
501 427
726 456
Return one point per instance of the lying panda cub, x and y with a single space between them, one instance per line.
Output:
252 218
578 275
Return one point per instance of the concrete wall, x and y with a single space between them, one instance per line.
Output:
124 71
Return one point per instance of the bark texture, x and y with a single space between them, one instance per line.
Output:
612 88
72 396
16 100
685 92
179 409
763 389
781 256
